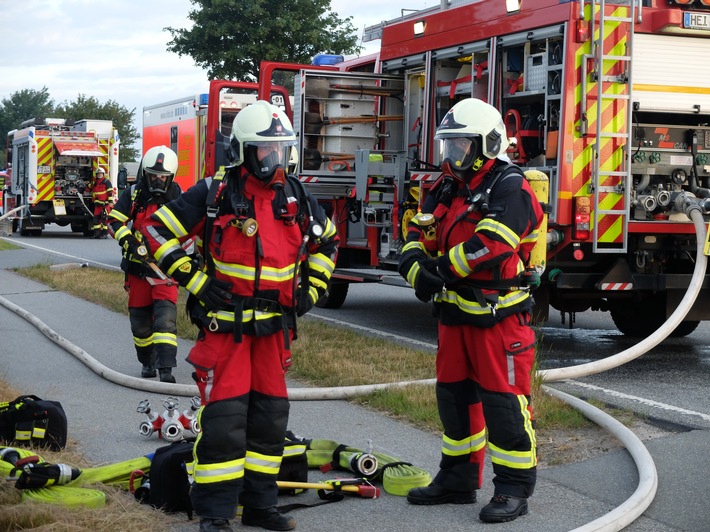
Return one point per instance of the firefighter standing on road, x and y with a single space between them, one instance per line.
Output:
102 198
151 301
269 252
471 260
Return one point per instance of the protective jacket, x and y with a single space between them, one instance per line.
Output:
259 241
484 235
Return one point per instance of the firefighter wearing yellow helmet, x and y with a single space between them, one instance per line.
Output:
151 300
486 217
269 251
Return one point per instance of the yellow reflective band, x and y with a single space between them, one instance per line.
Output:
502 230
317 281
143 342
294 450
457 257
512 459
313 294
262 463
164 338
471 444
528 425
413 274
472 307
167 248
531 238
122 232
219 472
240 271
415 244
329 230
22 435
196 283
38 432
165 215
320 263
118 215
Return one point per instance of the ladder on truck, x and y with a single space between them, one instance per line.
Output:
612 32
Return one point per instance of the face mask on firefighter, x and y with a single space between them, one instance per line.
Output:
157 182
462 154
264 159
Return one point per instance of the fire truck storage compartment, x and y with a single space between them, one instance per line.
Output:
337 115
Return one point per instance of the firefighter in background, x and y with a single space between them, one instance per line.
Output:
102 198
470 257
269 252
151 300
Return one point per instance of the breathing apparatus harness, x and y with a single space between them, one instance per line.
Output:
479 201
289 211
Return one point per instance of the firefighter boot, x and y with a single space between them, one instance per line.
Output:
148 371
103 234
503 508
214 525
435 494
268 518
166 375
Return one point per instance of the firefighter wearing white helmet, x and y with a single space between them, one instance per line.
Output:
151 300
485 217
102 199
253 220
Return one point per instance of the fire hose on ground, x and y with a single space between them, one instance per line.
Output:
631 509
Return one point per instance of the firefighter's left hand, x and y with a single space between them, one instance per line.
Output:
428 280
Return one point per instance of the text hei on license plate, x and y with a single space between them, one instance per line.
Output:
696 21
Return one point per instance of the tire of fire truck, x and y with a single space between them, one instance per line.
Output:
642 319
82 227
334 297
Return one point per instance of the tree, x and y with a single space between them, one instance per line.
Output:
122 118
20 106
230 38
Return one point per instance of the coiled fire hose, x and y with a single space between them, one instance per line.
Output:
397 477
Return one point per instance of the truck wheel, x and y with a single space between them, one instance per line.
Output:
685 328
334 296
644 318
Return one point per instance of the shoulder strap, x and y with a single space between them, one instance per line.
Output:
211 208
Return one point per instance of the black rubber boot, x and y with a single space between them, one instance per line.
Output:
268 518
166 375
148 372
434 494
503 508
214 525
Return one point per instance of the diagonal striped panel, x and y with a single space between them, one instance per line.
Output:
45 157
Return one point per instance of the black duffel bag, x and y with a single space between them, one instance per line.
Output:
29 420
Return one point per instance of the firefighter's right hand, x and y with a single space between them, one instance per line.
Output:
428 281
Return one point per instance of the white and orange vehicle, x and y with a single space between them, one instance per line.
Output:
182 125
53 161
605 98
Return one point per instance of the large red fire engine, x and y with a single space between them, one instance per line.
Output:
605 98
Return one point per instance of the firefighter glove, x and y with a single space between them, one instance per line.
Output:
129 244
428 281
210 290
304 302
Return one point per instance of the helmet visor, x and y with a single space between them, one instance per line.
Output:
460 152
267 157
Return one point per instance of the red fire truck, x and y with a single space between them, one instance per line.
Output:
605 98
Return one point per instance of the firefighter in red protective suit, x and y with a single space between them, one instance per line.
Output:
470 257
269 252
151 300
102 198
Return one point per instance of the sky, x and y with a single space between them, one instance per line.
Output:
118 50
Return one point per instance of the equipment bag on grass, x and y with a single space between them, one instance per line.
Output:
31 420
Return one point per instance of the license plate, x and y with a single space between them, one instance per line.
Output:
696 21
59 208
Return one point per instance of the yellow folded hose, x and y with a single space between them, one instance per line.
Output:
66 496
397 477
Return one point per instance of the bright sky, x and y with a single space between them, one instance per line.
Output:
117 50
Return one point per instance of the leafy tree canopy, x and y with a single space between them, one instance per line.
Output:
30 103
230 38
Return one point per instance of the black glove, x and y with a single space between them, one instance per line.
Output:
428 280
213 292
304 303
129 244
